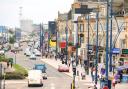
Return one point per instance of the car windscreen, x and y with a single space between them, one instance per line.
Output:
39 67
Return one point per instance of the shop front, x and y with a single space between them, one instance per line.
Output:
122 73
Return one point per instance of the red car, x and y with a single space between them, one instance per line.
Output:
63 68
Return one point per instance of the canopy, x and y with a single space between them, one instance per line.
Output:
122 67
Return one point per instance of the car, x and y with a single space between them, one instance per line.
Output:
28 53
32 56
26 50
63 68
43 68
37 52
35 77
44 75
2 52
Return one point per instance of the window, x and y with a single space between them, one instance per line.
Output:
122 43
82 39
81 27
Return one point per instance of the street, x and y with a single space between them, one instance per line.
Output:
56 80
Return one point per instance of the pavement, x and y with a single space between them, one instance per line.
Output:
5 68
55 63
88 80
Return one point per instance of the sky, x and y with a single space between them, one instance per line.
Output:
40 11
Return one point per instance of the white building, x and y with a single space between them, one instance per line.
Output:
26 25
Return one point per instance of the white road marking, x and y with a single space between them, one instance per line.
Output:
52 86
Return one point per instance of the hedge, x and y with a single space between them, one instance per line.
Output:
20 69
19 73
14 75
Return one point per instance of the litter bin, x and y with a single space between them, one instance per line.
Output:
104 83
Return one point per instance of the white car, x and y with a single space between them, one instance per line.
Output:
26 50
37 53
33 56
35 77
2 52
27 53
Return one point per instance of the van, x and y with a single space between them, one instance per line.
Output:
35 77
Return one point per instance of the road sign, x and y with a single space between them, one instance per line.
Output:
124 51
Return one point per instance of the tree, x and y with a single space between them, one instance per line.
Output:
11 39
11 32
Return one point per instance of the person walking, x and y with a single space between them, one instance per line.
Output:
11 64
7 64
92 73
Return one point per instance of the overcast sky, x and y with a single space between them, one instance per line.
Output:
37 10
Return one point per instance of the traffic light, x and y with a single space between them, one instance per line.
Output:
74 71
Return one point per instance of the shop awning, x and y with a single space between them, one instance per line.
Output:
122 67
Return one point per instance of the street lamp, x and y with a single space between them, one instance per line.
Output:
110 68
66 31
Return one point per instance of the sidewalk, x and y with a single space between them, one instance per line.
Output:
7 69
54 63
88 81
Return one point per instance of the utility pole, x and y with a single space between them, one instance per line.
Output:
42 36
110 67
97 29
56 41
88 47
66 30
107 27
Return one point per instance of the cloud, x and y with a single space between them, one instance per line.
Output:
37 10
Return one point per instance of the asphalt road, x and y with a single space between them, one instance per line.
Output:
56 80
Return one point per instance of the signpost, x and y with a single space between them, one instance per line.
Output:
115 51
124 51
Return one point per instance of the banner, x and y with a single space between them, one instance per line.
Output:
52 44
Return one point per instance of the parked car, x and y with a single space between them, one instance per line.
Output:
32 56
35 77
2 52
37 52
43 68
63 68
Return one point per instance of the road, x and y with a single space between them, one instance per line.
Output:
56 80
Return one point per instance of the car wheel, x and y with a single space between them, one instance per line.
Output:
29 84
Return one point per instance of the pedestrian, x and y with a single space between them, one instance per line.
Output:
7 64
113 83
92 72
11 64
95 87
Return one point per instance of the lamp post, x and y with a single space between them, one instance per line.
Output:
66 30
88 47
110 68
56 43
40 37
96 62
15 56
107 25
